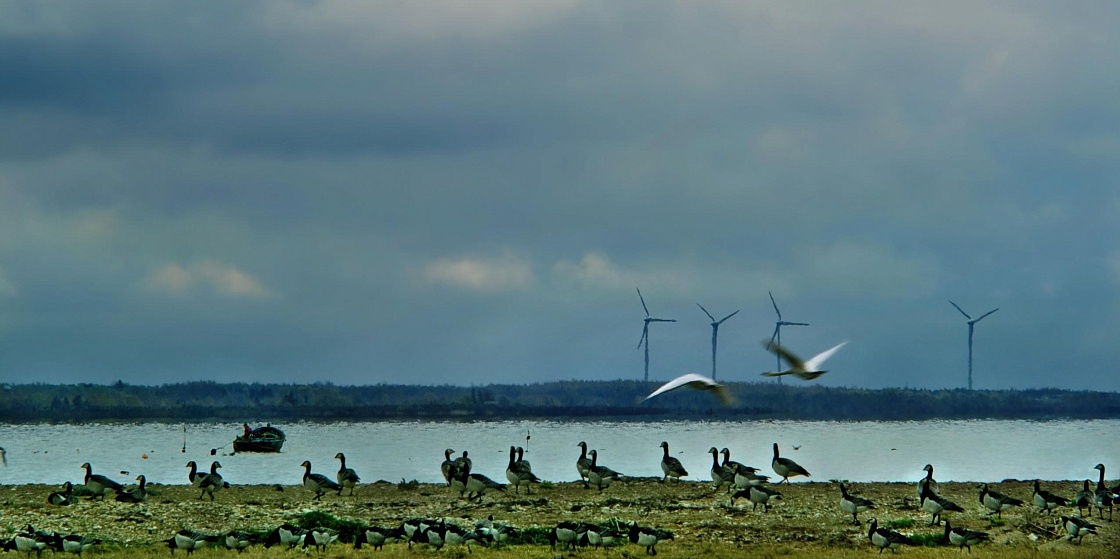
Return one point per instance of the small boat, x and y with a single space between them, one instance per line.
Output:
261 439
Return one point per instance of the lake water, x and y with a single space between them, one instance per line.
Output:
986 450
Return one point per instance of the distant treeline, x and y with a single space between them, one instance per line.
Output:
617 399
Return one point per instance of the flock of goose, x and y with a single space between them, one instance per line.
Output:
740 481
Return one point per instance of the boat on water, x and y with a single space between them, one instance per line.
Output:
261 439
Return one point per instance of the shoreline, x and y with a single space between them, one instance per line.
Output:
807 519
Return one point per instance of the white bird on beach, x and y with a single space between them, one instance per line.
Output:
804 370
695 382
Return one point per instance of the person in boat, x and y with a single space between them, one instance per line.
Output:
248 431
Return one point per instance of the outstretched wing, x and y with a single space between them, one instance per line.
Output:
696 382
815 363
777 349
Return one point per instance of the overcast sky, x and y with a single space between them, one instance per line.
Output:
470 192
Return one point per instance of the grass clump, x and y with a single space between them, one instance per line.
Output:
347 529
928 540
901 523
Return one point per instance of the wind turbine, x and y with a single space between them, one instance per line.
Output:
645 330
971 323
715 331
777 336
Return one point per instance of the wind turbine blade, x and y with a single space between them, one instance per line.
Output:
706 312
645 332
960 309
815 363
728 316
643 301
795 323
662 320
985 314
775 305
774 335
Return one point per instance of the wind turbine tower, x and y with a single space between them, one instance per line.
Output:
715 332
645 330
777 335
971 324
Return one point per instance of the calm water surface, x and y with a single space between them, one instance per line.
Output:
857 451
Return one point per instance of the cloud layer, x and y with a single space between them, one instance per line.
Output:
444 192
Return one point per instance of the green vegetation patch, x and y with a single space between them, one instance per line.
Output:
347 529
901 523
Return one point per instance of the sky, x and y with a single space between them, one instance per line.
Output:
471 192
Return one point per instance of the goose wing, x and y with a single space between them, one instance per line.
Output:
794 361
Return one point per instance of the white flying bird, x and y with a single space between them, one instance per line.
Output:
804 370
695 382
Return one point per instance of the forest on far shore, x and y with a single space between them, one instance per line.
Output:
621 399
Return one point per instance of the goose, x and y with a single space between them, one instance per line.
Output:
695 382
853 504
193 475
454 535
600 476
134 495
488 531
995 501
447 465
76 544
1047 501
521 461
1077 527
786 467
98 484
209 483
347 477
603 535
648 537
583 464
28 543
61 498
286 534
936 505
238 539
928 481
378 536
742 476
963 537
518 474
413 526
804 370
720 475
671 467
1084 499
1102 497
566 532
883 538
757 494
429 534
190 540
320 538
477 484
464 462
318 483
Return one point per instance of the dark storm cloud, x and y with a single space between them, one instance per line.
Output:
470 192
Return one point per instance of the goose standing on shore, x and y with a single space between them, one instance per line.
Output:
883 538
478 484
211 482
720 475
318 483
936 505
648 537
997 502
1102 497
134 494
757 494
963 537
785 467
347 477
600 476
98 484
447 465
583 464
1047 501
928 481
1084 500
193 475
518 474
853 504
670 465
76 543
